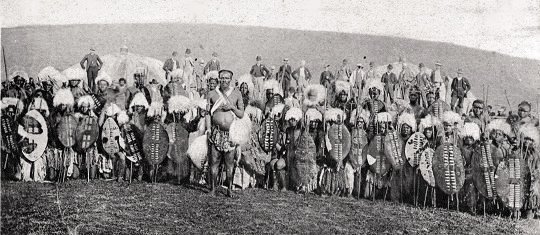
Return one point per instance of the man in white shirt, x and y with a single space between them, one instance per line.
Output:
358 78
189 69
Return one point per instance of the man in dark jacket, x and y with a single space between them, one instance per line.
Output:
327 78
460 86
171 64
389 80
284 76
93 65
212 65
259 73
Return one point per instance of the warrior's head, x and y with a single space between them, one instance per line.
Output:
315 119
85 104
524 109
406 124
428 126
225 78
19 81
414 95
334 116
478 108
9 106
470 133
178 107
375 88
64 101
430 98
293 117
74 82
103 85
451 122
383 123
498 130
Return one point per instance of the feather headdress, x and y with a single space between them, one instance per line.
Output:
122 118
427 122
200 103
407 118
112 109
277 109
501 125
272 84
295 113
313 114
334 114
212 74
21 74
247 79
86 100
75 73
364 115
179 103
156 108
139 99
376 83
314 94
343 86
103 76
63 96
470 129
48 73
529 131
384 117
198 151
240 131
253 112
451 117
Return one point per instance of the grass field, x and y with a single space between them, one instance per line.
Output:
141 208
34 47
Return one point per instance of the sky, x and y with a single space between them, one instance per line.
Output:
510 27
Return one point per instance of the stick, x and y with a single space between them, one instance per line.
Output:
130 171
87 169
425 197
507 100
5 63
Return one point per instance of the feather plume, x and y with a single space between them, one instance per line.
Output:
156 108
200 103
409 119
274 85
212 74
75 73
295 113
103 76
122 118
112 109
376 84
364 115
139 99
313 114
19 73
529 131
9 101
314 94
47 73
63 96
240 131
470 129
451 118
253 112
343 86
384 117
198 151
179 103
332 114
277 109
501 125
86 100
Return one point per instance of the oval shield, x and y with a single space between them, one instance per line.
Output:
448 168
34 135
110 136
393 149
358 143
510 182
375 156
426 166
87 132
269 135
8 134
66 131
340 140
414 148
483 170
155 143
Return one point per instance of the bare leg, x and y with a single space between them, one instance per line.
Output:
229 166
214 168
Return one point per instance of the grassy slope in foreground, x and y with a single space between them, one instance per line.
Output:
35 47
110 207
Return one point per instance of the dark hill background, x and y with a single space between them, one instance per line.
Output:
34 47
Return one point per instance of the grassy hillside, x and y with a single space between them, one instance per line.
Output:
102 207
35 47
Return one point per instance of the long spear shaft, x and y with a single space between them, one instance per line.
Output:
5 65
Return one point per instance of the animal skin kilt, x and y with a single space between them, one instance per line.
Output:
221 140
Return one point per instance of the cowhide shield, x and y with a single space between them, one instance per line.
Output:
510 181
448 168
268 134
426 166
483 170
87 132
340 140
33 134
110 136
375 156
178 142
66 131
393 149
155 143
8 134
414 148
254 159
133 138
358 143
305 159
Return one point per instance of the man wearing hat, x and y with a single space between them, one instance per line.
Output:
200 75
327 78
390 80
259 72
284 76
358 78
438 77
213 64
344 73
302 75
189 71
423 83
460 86
93 65
171 64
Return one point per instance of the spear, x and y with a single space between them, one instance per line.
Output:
5 65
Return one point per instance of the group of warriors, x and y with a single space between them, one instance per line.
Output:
355 133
